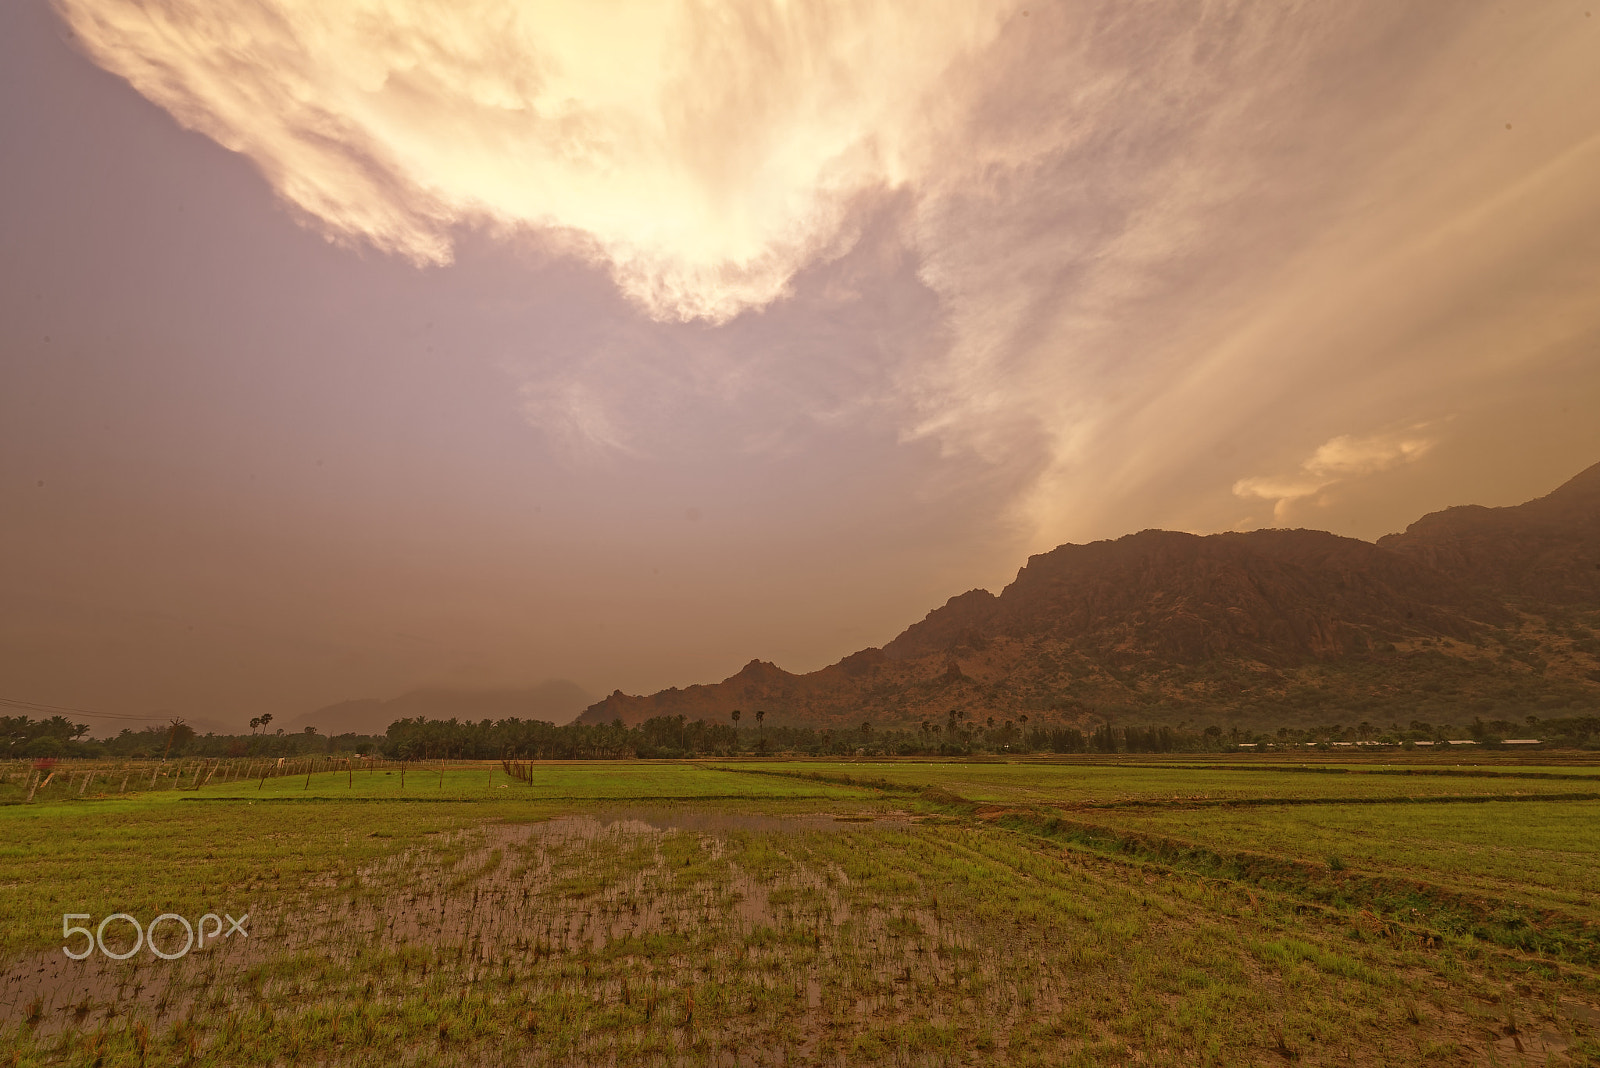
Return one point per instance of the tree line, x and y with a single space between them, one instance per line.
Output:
676 736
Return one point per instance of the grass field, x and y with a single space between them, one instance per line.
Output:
589 781
799 913
1108 783
1543 854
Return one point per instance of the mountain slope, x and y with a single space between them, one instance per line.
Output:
1545 551
1277 596
1471 610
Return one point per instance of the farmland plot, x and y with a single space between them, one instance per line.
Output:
869 926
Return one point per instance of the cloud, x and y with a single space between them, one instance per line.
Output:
1337 460
579 420
704 151
1350 457
1179 237
1160 241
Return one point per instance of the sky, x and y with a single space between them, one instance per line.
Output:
350 346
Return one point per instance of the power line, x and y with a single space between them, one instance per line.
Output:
57 710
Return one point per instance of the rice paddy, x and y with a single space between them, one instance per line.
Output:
806 913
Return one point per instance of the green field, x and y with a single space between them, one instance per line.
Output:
799 913
450 781
1107 783
1540 854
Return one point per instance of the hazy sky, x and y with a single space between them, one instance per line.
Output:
352 345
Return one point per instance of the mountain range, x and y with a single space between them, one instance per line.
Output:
1471 612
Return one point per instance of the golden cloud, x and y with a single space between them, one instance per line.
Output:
703 151
1337 460
1163 239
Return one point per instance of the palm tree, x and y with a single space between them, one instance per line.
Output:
736 715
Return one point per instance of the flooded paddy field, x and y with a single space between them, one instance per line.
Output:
801 914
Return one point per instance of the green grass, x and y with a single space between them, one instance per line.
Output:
586 781
1545 854
907 943
224 845
671 914
152 855
1041 783
459 781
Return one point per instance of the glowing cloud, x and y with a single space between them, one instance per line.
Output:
1341 458
1157 240
704 151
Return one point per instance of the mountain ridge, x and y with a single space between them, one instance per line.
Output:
1495 608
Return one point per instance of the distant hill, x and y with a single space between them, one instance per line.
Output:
1491 612
555 701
